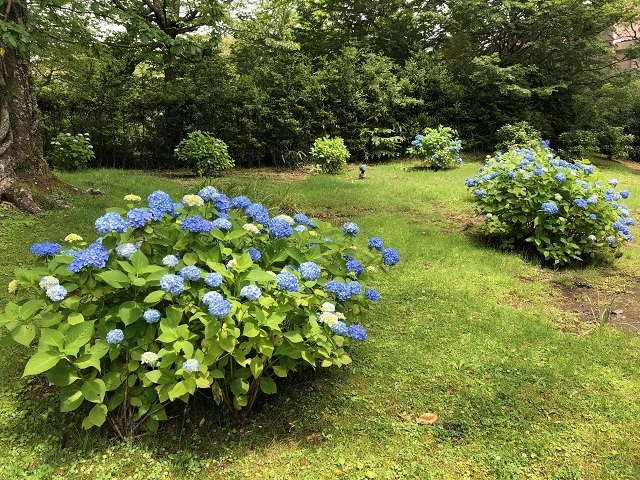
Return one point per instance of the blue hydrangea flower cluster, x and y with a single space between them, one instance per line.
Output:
191 273
125 250
138 217
340 328
357 332
95 255
350 228
371 294
280 228
250 292
115 336
159 204
287 281
196 224
580 202
550 208
207 193
310 271
56 293
192 365
343 291
111 222
170 261
302 219
222 224
390 256
171 283
376 243
241 202
213 279
255 254
45 249
218 306
222 203
151 315
355 266
258 213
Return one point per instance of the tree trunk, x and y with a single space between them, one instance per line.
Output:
22 164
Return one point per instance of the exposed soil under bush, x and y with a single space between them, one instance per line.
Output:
594 305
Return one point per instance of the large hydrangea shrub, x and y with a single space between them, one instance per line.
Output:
212 293
564 210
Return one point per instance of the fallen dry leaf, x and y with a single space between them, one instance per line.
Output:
428 418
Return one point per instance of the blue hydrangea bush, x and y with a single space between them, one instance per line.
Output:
210 293
564 210
437 147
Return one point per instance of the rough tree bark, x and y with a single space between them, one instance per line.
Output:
22 164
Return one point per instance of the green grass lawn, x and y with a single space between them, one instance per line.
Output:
467 332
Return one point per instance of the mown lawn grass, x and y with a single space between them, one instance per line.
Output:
465 331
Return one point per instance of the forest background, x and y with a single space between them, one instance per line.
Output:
271 77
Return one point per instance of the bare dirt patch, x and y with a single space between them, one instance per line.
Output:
592 305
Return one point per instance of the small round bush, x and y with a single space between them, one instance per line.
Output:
437 147
207 155
330 155
71 152
576 144
517 135
564 210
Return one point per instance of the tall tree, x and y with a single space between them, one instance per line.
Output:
22 164
526 59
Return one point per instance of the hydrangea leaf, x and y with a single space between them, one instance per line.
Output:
240 401
115 278
24 334
178 390
41 362
78 336
49 336
293 337
154 297
279 371
96 417
139 260
251 330
267 385
256 367
62 375
28 309
70 398
74 318
226 342
94 390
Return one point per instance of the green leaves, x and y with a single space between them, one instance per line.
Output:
41 362
77 336
330 155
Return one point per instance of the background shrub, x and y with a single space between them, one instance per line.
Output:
71 152
205 154
576 144
562 209
614 143
520 134
330 155
437 147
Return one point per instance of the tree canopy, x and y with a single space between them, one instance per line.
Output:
271 77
